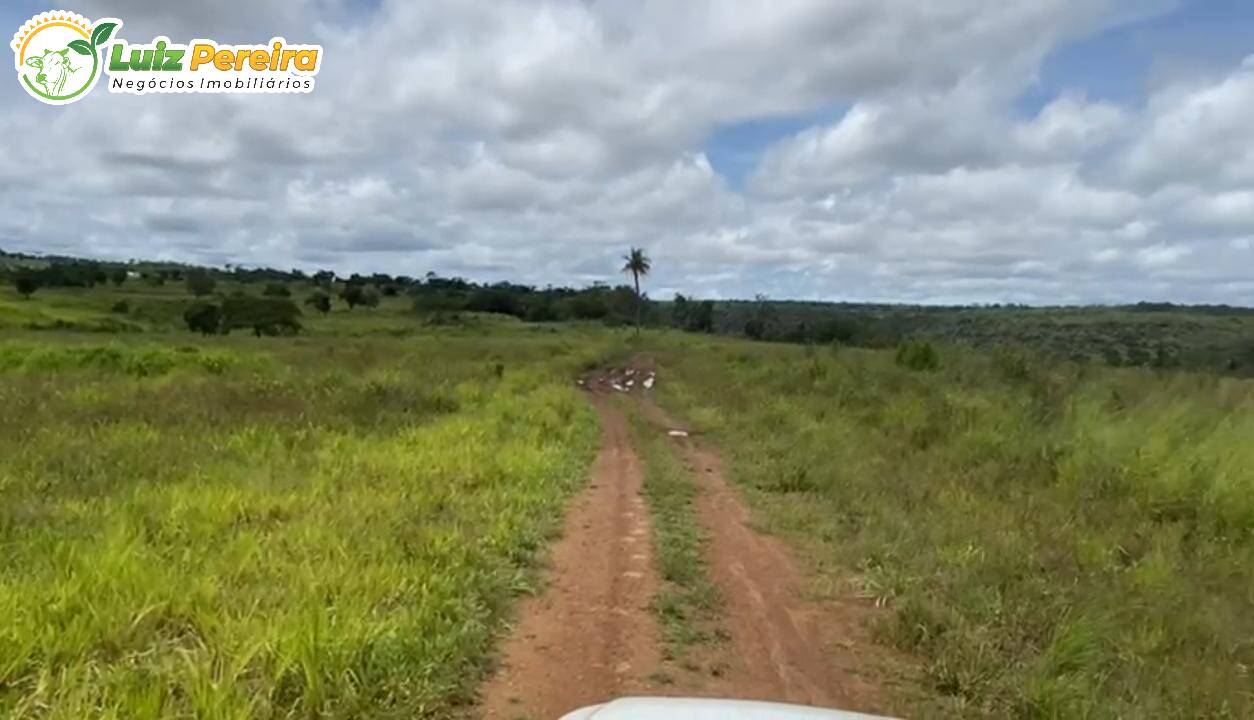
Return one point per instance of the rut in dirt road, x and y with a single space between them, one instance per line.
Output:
590 636
782 646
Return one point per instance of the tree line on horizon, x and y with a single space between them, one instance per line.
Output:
276 309
269 301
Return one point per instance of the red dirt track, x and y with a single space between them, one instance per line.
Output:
591 635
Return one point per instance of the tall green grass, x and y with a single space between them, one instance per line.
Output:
1050 540
286 528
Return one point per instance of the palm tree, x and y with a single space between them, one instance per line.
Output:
638 264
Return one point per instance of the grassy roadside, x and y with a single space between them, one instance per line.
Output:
1051 540
688 604
234 528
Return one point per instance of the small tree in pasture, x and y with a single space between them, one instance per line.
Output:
355 294
264 315
319 301
26 283
701 317
204 318
200 283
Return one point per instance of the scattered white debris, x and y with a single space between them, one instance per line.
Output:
678 433
648 383
631 383
579 382
630 372
618 387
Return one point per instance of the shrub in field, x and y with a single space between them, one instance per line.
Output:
501 302
355 294
263 315
118 276
204 318
917 355
700 317
1139 356
588 306
26 283
1012 363
322 279
319 301
542 310
438 303
121 307
200 283
692 315
276 290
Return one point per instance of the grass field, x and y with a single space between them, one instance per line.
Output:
243 528
335 524
160 310
1050 540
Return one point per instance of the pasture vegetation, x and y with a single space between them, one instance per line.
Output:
333 524
1050 540
244 528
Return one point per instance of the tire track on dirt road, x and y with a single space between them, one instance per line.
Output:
784 647
590 636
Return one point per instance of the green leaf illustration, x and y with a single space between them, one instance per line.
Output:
101 34
81 47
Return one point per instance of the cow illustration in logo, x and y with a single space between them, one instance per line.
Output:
58 55
54 70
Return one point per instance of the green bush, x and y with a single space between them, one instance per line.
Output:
1012 363
918 355
319 301
355 294
200 283
26 283
263 315
204 318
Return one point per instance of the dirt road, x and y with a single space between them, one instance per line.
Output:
591 636
784 647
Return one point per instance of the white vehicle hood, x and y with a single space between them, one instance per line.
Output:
694 709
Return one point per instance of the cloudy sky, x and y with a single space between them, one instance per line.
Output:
1041 151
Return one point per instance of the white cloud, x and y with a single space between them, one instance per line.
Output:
533 140
1197 134
1068 127
1162 255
